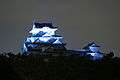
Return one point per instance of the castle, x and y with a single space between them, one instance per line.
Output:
43 39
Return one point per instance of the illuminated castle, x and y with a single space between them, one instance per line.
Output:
43 38
93 50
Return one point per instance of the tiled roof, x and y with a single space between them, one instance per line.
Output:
92 44
41 25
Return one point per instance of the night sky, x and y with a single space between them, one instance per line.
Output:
78 21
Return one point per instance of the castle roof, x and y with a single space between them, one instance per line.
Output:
92 44
41 25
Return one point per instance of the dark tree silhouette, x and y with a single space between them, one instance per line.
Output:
60 67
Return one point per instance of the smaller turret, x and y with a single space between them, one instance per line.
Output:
93 50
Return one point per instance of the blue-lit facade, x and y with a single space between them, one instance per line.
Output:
42 36
93 50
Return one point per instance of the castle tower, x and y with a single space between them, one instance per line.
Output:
43 38
94 50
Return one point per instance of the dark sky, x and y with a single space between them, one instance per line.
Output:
79 21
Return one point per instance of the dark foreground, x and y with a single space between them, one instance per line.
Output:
36 67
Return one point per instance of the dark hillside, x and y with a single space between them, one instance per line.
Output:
37 67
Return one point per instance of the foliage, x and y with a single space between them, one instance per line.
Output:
48 67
